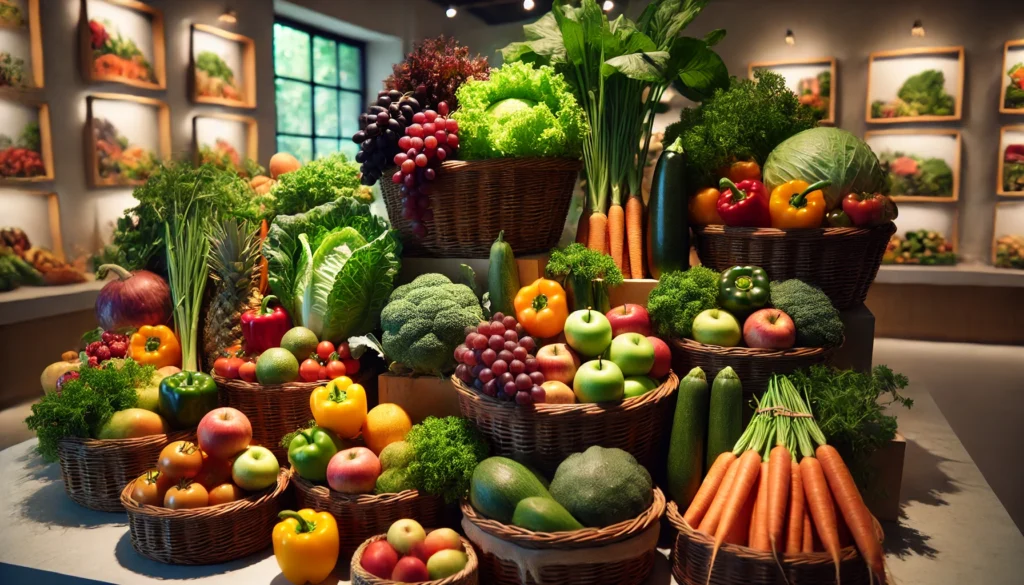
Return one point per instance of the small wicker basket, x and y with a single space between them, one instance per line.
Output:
546 434
593 570
842 261
273 410
472 201
363 516
96 470
205 536
467 576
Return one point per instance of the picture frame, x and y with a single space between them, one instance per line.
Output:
1013 59
1007 216
51 225
21 49
217 59
939 148
804 75
230 133
939 218
110 28
1010 172
117 159
26 149
889 72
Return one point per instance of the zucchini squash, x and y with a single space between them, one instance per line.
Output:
502 277
686 444
668 226
725 414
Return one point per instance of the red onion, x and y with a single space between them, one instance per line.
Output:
136 298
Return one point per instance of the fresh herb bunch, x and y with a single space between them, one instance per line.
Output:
447 451
817 320
85 404
586 274
680 297
435 69
318 182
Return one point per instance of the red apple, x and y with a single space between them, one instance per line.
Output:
224 432
662 359
558 362
379 559
353 471
769 329
410 570
405 535
441 539
629 318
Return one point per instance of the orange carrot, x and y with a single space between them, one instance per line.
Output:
747 470
807 541
635 235
755 512
779 486
626 270
797 518
740 533
709 524
597 236
845 539
706 494
854 512
819 504
616 232
759 526
583 228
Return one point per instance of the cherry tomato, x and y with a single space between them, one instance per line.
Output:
150 488
247 371
351 366
186 496
214 472
335 369
220 367
180 460
224 493
343 350
309 371
323 373
324 350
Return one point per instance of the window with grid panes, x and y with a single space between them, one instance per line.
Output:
319 84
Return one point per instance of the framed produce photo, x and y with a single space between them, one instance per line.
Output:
26 154
21 45
1008 235
915 85
1011 98
37 213
225 140
1010 175
223 67
813 80
921 165
126 136
926 235
122 41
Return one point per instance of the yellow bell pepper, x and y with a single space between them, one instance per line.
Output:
306 545
704 207
744 170
795 204
542 308
155 345
340 406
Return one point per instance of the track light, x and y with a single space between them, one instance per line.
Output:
229 17
451 12
528 4
790 39
917 30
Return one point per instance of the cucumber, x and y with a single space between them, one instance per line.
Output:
502 277
686 444
542 514
725 415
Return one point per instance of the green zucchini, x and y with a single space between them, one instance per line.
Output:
725 415
668 228
502 277
686 444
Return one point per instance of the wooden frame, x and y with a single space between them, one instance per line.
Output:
1002 84
251 134
45 148
999 171
159 47
35 36
248 92
53 219
956 163
995 234
91 156
958 98
831 119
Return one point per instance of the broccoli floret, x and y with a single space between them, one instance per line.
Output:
680 297
817 321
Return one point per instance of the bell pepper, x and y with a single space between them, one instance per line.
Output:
704 207
310 450
263 328
743 289
744 170
541 308
186 397
838 218
340 406
155 345
306 545
796 204
869 209
744 204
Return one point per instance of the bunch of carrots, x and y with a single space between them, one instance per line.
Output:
784 490
619 233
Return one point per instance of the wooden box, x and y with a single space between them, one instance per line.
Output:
419 396
883 495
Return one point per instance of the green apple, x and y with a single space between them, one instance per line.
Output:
588 332
149 395
717 327
446 563
598 380
633 353
255 469
638 386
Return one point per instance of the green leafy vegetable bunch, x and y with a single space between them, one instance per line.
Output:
447 451
679 297
586 274
315 183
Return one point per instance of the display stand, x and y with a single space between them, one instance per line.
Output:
419 396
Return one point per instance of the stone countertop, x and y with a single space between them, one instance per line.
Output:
27 303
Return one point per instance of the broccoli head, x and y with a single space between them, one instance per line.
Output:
680 297
817 321
425 320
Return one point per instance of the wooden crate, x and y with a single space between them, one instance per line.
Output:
419 396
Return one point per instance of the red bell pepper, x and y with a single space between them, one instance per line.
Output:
263 328
869 209
744 204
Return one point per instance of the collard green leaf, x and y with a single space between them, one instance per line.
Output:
714 37
642 66
701 70
664 20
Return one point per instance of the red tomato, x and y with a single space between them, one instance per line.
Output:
214 472
180 460
220 367
309 371
351 366
323 373
224 493
343 351
324 350
187 496
247 371
150 488
335 369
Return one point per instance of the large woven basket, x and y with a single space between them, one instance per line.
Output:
580 545
472 201
205 536
545 434
467 576
96 470
273 410
739 565
843 262
363 516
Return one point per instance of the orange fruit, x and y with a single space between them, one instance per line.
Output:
385 424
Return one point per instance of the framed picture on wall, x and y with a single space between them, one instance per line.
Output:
223 67
926 235
1008 235
126 136
1011 98
21 45
122 41
813 80
26 154
37 213
1011 161
225 140
921 165
915 85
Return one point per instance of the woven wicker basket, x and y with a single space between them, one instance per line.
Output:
467 576
205 536
842 261
96 470
472 201
507 571
363 516
273 410
739 565
548 433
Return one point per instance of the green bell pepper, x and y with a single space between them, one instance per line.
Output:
186 397
310 450
838 218
743 289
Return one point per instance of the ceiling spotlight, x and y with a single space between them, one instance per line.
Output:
528 4
917 30
229 17
608 5
790 39
451 12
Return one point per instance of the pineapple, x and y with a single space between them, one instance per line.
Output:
234 268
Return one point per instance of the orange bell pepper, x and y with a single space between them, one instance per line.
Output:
542 308
704 207
155 345
744 170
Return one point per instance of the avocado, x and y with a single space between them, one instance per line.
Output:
542 514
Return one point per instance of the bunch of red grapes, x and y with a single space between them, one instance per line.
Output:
428 141
498 360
